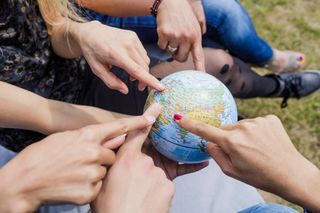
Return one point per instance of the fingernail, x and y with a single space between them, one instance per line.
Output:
150 119
123 91
177 117
161 87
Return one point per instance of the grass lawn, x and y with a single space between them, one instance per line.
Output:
292 25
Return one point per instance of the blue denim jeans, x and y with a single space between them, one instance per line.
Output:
228 26
268 208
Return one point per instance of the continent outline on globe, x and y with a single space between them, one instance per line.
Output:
198 96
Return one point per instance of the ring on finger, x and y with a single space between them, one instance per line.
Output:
172 50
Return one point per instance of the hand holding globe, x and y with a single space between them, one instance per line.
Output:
199 96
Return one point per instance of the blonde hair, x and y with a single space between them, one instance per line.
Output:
53 10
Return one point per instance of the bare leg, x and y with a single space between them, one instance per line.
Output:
242 81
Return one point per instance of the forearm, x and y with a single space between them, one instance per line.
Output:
18 111
20 108
122 8
64 116
304 190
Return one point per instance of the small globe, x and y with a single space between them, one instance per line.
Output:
198 96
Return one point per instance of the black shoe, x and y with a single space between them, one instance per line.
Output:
296 85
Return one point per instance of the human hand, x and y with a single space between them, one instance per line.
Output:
134 183
172 168
260 153
66 167
179 28
198 10
104 47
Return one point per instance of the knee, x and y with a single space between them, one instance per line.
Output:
217 61
221 10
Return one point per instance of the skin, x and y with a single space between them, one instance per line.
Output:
142 186
264 158
83 155
103 47
177 24
50 117
142 183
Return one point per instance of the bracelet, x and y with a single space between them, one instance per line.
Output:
155 7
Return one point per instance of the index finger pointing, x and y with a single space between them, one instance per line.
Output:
138 72
137 138
208 132
198 56
103 132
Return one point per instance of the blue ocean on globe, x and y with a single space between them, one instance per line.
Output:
198 96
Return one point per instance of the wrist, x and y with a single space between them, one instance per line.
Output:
80 32
155 7
15 196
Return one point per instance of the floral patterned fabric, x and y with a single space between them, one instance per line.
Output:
27 61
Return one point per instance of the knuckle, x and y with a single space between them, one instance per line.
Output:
94 174
93 153
112 85
184 57
86 134
123 126
227 171
170 188
247 126
232 139
148 161
86 196
273 118
133 35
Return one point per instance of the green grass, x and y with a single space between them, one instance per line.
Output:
294 25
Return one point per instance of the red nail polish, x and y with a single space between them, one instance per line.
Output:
177 117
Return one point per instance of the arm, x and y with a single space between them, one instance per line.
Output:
142 186
259 152
103 47
177 25
18 111
78 162
120 8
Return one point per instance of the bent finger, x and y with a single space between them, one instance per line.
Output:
103 132
115 142
184 169
142 75
110 79
136 139
107 156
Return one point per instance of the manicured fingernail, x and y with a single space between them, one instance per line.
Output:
177 117
150 119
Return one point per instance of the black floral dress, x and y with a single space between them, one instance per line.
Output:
27 61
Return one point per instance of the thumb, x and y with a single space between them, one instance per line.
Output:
222 159
137 138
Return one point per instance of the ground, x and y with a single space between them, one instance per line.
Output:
294 25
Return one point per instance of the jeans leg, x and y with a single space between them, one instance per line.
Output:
229 23
266 208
